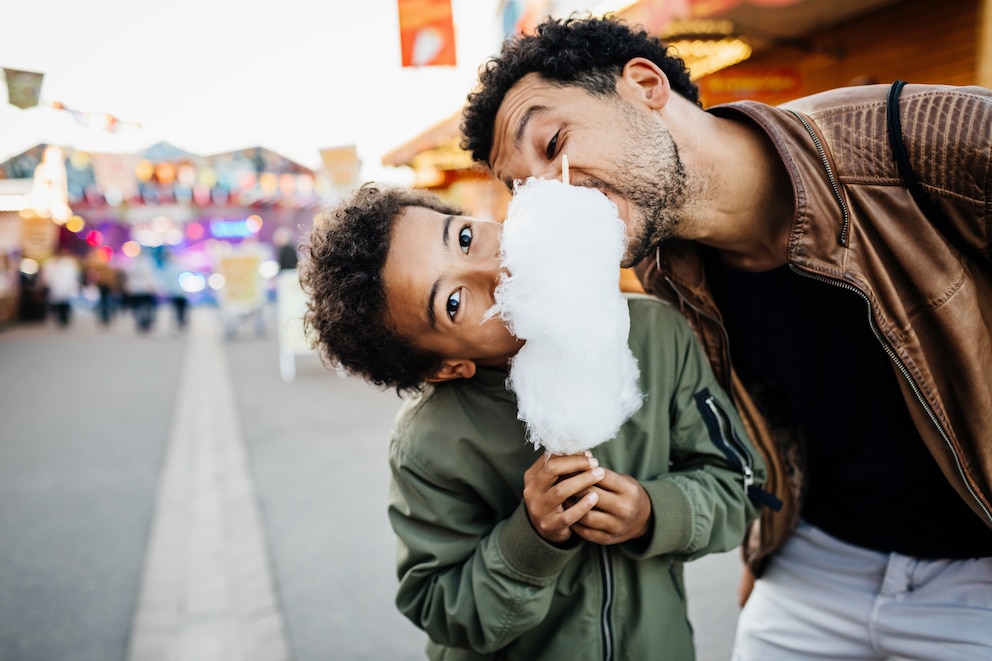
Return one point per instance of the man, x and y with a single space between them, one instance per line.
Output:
505 552
854 332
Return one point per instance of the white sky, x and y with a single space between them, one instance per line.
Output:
217 75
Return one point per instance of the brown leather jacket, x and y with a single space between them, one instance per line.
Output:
857 226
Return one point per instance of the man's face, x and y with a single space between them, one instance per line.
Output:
612 143
440 276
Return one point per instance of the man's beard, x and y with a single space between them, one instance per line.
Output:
653 181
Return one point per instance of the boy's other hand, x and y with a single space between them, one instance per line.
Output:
557 493
623 511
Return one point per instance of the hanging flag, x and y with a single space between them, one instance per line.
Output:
23 87
427 33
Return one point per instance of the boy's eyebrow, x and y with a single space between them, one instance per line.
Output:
437 283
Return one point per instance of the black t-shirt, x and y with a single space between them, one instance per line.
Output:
871 480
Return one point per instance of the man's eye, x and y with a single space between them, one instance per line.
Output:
452 306
465 238
552 146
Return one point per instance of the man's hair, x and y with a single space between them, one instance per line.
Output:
577 51
341 274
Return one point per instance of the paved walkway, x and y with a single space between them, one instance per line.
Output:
258 506
207 591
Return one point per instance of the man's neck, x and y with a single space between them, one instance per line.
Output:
750 208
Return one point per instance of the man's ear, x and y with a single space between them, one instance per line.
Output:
645 80
453 368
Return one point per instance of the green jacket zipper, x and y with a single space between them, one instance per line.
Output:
722 434
606 627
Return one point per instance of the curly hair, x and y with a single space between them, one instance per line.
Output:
340 271
577 51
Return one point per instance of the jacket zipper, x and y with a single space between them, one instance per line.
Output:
606 629
871 320
725 438
730 440
905 372
830 176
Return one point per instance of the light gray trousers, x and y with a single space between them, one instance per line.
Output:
821 598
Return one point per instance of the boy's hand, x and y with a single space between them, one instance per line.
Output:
557 493
623 511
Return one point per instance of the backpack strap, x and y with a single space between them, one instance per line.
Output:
894 125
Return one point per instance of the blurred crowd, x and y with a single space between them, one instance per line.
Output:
147 281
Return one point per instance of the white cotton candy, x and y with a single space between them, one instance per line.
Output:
575 377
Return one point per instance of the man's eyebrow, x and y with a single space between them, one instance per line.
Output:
445 229
519 135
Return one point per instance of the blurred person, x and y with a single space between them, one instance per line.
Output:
286 250
62 278
847 307
170 287
103 276
141 286
505 551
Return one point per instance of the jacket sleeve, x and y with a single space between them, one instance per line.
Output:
466 580
708 497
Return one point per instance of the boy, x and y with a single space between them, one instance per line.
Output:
505 552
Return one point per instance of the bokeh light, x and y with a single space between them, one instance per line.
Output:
216 281
75 224
131 248
192 283
269 268
29 266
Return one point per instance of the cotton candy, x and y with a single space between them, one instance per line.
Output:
575 378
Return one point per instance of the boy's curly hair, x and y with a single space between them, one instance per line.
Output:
577 51
340 269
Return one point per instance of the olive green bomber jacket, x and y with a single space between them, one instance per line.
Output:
479 580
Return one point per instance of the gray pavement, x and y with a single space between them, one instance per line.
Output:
170 497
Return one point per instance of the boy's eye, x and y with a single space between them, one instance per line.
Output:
465 238
552 146
452 305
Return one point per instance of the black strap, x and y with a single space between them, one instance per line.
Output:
912 183
902 159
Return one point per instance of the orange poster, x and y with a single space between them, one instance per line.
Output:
427 33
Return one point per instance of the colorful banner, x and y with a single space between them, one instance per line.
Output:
427 33
116 172
242 291
23 87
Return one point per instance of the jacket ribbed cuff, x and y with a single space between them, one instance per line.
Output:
671 515
528 554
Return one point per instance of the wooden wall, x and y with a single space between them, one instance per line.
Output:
919 41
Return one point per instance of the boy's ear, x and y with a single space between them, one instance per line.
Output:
453 368
647 82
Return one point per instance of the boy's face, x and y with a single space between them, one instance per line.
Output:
440 276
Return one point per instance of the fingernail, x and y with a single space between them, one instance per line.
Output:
598 472
593 461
